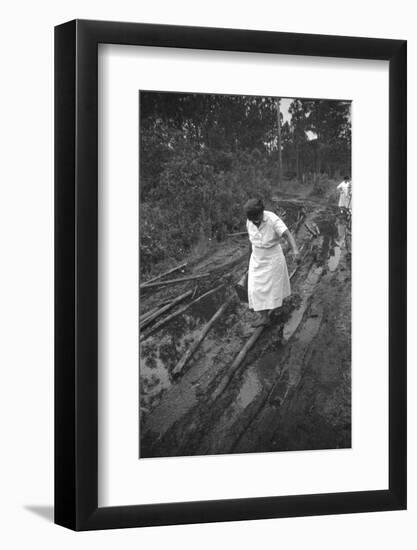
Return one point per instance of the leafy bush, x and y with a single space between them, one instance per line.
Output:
197 198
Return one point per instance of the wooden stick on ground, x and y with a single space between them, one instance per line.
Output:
228 265
236 363
293 272
190 352
298 223
310 230
178 312
163 274
174 281
146 314
161 310
316 229
237 234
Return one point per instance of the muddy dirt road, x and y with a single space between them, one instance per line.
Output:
293 389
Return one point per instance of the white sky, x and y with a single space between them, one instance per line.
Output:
285 103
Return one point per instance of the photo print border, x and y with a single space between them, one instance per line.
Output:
76 274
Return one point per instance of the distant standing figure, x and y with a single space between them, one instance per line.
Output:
345 191
268 281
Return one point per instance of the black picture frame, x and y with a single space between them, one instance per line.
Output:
76 272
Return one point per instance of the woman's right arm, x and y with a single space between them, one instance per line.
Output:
249 255
250 243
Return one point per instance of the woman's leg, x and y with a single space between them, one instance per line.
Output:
263 318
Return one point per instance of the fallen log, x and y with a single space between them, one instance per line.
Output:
231 264
146 314
236 363
175 281
162 310
190 352
163 274
299 221
178 312
313 233
316 229
293 272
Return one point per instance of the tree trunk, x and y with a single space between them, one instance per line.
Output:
297 161
279 143
318 169
318 151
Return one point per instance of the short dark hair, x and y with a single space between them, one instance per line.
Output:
347 177
254 208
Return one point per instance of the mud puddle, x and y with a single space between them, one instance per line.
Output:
161 351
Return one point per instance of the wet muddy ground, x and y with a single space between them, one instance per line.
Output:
293 389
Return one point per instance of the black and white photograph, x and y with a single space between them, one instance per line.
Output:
208 278
245 274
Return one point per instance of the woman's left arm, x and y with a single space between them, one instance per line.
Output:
288 235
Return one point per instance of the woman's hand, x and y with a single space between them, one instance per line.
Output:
296 254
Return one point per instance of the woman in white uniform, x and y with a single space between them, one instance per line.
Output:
268 281
344 189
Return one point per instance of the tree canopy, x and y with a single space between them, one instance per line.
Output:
315 137
207 153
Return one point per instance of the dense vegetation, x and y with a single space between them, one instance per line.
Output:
202 156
